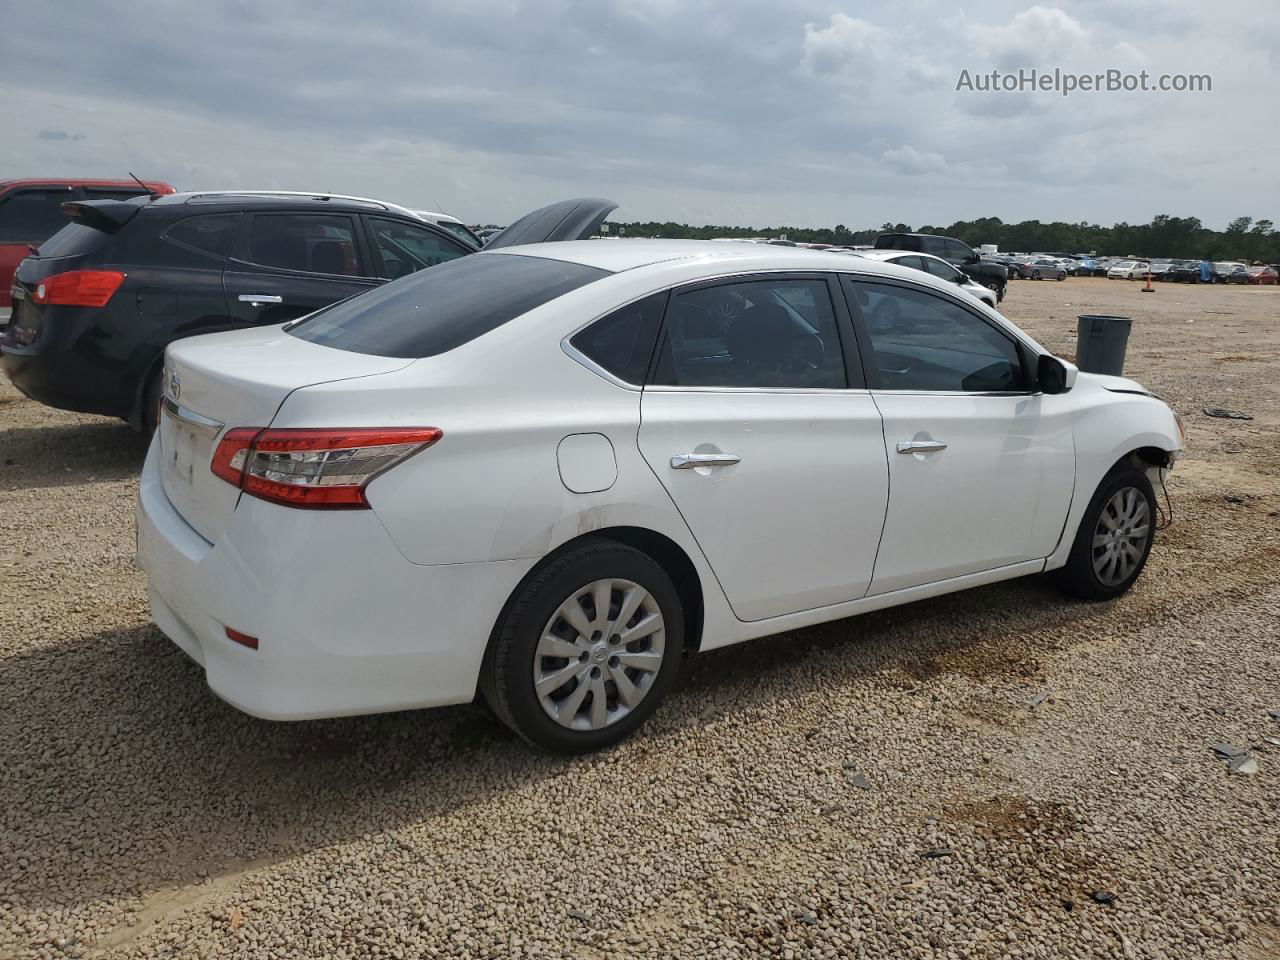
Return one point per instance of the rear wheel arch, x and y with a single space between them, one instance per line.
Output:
660 548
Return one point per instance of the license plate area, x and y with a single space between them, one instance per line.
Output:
185 443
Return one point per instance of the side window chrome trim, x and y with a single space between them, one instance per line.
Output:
794 391
957 393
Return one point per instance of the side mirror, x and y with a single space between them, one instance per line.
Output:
960 278
1054 375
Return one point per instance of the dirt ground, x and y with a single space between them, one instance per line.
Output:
969 777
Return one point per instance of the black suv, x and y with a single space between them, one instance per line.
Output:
992 275
96 306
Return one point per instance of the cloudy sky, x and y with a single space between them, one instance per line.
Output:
805 112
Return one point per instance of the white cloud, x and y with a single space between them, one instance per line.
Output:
811 111
907 159
862 55
1031 37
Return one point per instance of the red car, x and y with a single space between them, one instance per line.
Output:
1264 275
31 212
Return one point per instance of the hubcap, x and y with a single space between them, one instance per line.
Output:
599 654
1121 536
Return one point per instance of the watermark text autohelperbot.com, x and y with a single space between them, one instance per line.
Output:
1031 80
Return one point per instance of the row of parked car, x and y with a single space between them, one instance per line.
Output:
1059 266
1194 271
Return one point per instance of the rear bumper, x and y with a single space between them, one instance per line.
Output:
59 379
345 624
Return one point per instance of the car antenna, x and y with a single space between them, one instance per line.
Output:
150 193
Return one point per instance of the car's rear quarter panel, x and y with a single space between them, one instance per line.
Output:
491 488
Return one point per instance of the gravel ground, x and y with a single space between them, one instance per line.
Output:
958 778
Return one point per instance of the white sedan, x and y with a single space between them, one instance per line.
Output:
551 473
935 265
1128 270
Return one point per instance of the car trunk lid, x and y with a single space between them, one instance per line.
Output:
226 380
566 220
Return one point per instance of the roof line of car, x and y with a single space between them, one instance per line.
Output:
296 195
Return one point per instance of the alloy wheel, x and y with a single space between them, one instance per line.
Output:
599 654
1120 537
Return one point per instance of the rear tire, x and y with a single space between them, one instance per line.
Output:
152 394
1114 539
557 628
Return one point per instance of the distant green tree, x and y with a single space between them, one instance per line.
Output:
1244 238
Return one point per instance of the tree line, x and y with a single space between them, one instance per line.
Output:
1165 236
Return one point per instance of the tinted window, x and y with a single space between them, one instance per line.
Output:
623 341
459 230
405 248
915 263
762 333
958 251
926 342
934 245
302 241
940 268
897 241
436 310
29 216
73 240
213 234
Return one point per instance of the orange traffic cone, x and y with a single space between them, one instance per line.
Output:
1148 288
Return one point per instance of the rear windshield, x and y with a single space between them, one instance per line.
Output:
432 311
73 240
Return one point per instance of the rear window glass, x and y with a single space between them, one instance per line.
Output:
435 310
29 216
73 240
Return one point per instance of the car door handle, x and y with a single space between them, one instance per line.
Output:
921 446
687 461
257 298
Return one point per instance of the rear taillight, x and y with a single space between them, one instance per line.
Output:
311 467
79 288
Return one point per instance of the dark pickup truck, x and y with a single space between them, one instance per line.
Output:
994 276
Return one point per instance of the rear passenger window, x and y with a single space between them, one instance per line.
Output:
313 243
30 216
622 342
763 333
213 234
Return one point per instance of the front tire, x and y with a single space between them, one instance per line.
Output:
586 650
1114 538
